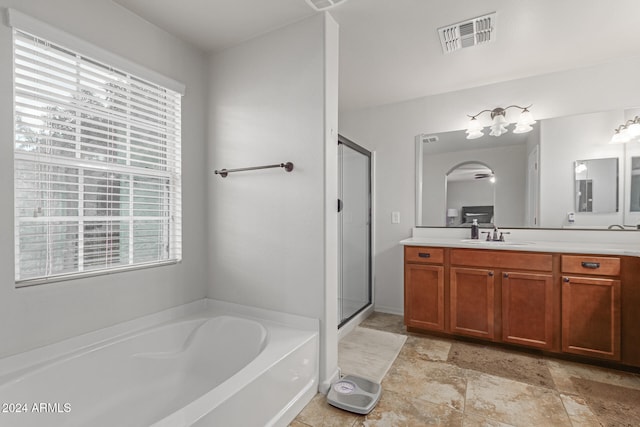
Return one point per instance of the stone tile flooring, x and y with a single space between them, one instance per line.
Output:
437 381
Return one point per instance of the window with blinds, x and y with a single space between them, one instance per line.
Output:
97 169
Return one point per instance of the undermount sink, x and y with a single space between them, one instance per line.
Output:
496 242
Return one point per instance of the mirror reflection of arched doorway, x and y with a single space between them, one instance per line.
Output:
470 194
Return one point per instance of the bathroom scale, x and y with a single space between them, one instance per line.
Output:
354 394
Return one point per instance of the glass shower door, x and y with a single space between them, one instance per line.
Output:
354 293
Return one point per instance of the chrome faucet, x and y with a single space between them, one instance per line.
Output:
495 234
612 226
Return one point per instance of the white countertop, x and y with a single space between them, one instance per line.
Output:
583 247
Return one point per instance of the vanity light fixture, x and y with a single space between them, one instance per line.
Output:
627 132
499 122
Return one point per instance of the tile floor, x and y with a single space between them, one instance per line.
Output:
436 381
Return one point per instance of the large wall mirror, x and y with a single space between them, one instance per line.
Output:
537 178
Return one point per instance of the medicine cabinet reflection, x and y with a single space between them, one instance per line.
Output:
634 199
596 185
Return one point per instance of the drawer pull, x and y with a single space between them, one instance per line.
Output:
565 279
593 265
424 254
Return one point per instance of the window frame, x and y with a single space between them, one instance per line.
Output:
172 207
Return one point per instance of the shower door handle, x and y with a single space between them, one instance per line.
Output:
340 205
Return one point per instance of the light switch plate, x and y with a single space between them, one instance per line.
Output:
395 217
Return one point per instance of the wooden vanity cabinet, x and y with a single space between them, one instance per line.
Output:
472 302
528 309
582 305
424 288
516 304
591 306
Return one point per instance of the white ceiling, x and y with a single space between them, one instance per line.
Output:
390 51
213 25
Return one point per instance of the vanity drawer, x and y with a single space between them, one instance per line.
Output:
423 254
502 259
594 265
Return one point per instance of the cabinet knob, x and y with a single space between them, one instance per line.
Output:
505 275
491 274
565 279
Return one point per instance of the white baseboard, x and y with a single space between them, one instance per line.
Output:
389 310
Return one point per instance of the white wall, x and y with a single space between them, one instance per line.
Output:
390 131
272 235
38 315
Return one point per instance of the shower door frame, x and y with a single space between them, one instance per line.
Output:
370 157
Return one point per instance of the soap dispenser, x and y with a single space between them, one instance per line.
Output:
474 229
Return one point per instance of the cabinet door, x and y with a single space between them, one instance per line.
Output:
591 317
472 302
527 309
424 296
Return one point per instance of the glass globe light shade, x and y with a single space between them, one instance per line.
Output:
475 134
526 118
620 137
497 129
633 130
500 119
474 125
520 128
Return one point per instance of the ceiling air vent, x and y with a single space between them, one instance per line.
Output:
320 5
468 33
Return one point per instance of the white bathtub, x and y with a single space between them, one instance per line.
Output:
208 363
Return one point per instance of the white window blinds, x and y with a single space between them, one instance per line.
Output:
97 165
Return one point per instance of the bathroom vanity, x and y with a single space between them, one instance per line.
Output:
569 298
